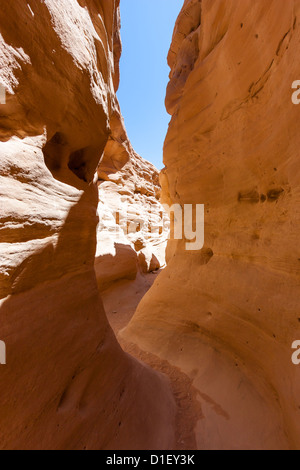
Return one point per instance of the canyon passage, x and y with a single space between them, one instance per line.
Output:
114 335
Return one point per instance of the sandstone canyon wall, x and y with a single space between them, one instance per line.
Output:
134 228
228 314
67 383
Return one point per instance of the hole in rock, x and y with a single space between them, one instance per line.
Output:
55 151
251 197
274 194
263 197
80 164
64 163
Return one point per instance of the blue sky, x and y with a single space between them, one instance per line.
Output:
147 28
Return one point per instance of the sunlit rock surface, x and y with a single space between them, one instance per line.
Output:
133 229
227 315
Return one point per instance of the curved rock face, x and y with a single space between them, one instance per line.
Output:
67 383
228 314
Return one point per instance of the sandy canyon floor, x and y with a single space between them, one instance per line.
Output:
120 302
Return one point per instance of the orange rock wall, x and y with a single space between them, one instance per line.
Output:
227 315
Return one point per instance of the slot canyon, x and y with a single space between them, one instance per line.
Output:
117 336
